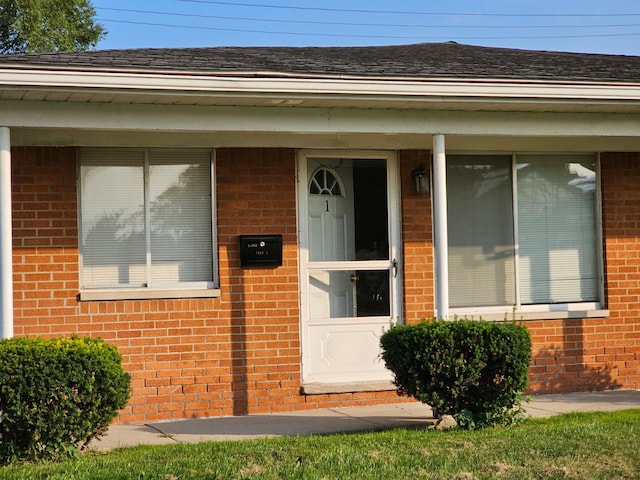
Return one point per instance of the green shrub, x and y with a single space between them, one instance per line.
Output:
56 395
475 371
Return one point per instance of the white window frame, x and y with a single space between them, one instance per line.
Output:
595 309
202 289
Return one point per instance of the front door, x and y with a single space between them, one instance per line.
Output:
349 261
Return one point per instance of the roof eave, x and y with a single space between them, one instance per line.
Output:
276 88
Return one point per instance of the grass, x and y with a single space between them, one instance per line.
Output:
575 446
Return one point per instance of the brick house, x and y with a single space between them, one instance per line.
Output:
243 223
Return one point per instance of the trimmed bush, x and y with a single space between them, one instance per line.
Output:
475 371
57 395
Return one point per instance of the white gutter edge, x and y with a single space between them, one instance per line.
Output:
155 83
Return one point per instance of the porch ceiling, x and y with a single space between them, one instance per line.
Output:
454 142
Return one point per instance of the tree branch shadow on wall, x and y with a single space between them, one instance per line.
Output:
238 337
572 365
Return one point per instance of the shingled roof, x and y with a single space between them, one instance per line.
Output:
424 60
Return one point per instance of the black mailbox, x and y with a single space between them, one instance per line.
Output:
261 250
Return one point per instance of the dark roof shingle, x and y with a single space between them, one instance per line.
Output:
424 60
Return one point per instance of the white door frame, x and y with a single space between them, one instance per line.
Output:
394 262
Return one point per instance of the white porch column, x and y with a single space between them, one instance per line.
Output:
6 255
440 226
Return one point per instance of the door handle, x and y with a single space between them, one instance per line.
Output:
394 264
354 278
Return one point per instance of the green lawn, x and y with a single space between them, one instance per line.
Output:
576 446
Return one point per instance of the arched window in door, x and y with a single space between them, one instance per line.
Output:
325 181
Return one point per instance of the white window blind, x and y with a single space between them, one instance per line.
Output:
556 222
480 225
146 218
555 259
113 218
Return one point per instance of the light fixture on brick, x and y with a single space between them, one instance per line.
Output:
421 179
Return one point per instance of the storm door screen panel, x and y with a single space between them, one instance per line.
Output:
348 269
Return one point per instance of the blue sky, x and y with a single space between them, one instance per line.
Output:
563 25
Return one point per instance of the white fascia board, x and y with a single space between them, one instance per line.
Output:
256 84
154 118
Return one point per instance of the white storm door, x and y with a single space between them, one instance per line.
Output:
348 264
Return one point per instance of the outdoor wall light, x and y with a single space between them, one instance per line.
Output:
421 178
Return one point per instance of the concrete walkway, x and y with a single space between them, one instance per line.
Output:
337 420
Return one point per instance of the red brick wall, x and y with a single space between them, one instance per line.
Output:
240 353
601 353
45 240
417 241
568 355
236 354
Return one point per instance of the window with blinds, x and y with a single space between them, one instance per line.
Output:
522 230
146 218
481 236
557 229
